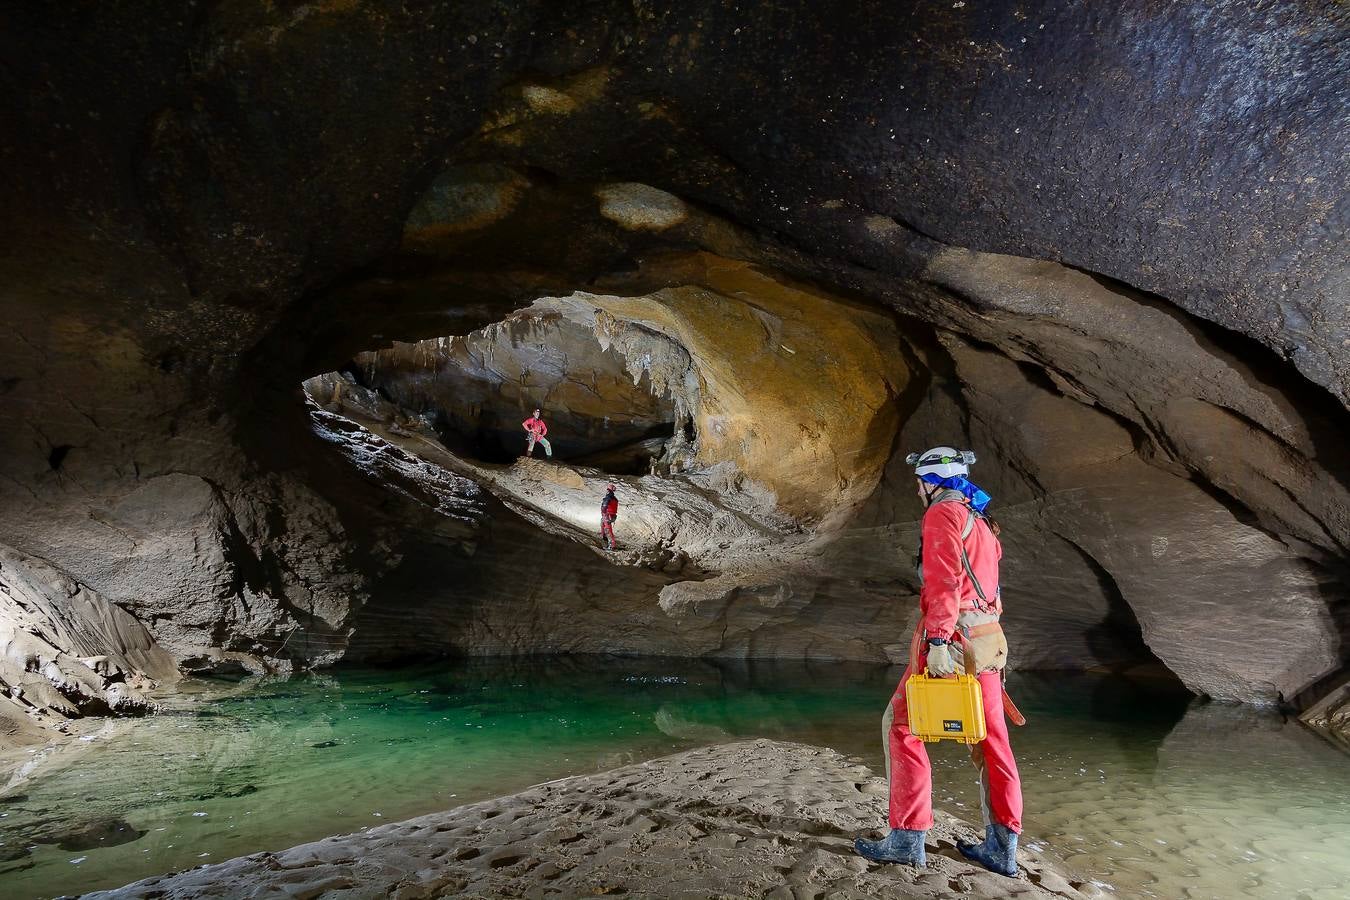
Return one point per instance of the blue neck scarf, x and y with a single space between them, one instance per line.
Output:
977 497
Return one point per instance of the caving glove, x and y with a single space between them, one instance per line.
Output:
940 662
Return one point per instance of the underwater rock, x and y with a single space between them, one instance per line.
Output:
105 832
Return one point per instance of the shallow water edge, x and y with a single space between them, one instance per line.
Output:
233 768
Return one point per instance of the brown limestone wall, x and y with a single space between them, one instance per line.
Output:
203 209
1215 596
796 387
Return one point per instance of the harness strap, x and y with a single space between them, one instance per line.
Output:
967 528
1009 707
974 631
1011 711
965 560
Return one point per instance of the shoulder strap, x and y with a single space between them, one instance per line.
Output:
966 531
965 560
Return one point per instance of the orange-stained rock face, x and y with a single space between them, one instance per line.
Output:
797 387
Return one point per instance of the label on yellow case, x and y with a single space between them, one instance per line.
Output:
945 709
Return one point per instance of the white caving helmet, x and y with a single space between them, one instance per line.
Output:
944 462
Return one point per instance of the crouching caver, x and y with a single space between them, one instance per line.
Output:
609 511
958 630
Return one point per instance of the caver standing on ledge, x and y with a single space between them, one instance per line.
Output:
960 605
535 429
609 511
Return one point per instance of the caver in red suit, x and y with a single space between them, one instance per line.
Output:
535 429
958 630
609 511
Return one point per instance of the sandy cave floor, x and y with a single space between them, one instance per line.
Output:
750 819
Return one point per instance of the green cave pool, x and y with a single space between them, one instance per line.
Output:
1142 790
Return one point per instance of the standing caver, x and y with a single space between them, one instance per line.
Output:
609 511
959 629
535 429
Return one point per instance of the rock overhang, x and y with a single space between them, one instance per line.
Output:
793 386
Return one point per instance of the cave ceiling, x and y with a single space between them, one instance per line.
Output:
259 151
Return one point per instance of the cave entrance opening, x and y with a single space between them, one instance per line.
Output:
614 397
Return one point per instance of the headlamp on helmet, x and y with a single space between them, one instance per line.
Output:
944 462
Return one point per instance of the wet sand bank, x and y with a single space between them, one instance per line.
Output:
749 819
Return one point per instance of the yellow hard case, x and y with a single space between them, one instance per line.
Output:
945 709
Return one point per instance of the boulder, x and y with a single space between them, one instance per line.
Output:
46 619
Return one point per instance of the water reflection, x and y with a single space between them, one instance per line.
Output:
1138 785
1138 714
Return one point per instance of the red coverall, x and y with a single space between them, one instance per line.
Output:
947 592
609 511
537 429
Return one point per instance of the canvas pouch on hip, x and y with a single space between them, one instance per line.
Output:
983 646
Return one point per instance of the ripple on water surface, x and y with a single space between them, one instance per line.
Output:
1137 788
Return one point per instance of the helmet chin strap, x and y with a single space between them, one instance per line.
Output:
929 492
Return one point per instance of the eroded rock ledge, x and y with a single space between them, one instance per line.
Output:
751 819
